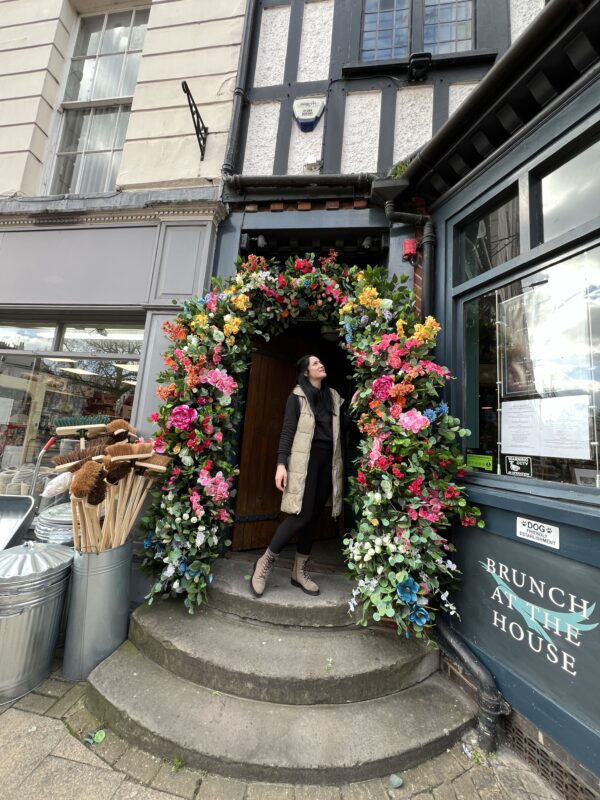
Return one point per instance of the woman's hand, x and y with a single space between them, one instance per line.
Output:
281 477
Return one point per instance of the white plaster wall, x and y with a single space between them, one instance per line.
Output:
360 145
272 46
522 14
414 115
305 148
315 44
34 43
458 93
198 42
262 136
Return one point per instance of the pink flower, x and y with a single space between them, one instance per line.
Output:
221 381
159 445
182 417
413 420
155 417
396 410
382 386
218 437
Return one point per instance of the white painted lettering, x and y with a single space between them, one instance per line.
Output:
572 632
499 621
581 606
552 654
536 587
551 592
516 631
568 663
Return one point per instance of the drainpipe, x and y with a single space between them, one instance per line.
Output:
492 704
239 93
428 247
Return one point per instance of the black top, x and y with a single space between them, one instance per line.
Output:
323 436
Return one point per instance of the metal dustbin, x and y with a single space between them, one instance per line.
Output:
33 583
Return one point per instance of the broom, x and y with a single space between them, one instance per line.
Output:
144 480
114 475
67 426
83 481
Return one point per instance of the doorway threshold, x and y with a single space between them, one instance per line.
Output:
326 556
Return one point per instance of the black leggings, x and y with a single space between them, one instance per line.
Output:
316 491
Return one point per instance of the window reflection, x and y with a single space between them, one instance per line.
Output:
489 240
34 337
532 361
103 341
570 194
36 390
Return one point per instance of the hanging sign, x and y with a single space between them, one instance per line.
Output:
308 111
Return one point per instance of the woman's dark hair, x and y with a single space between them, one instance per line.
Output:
319 399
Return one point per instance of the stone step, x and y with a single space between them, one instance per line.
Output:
254 740
282 603
279 664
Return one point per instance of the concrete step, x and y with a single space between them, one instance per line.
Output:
282 603
279 664
254 740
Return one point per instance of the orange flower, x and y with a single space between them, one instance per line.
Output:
374 404
164 392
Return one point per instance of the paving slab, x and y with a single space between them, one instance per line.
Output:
317 793
182 782
134 791
366 790
214 787
35 703
73 750
59 779
54 687
67 701
25 740
139 765
269 791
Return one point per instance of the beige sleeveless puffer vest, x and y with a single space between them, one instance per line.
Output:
291 502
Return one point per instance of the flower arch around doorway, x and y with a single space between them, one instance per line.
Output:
404 494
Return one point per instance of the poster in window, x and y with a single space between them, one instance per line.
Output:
518 377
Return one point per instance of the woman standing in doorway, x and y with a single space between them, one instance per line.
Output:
309 470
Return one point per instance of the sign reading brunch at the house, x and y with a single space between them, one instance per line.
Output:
536 613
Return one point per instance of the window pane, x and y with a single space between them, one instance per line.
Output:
115 163
385 34
108 76
102 129
35 392
103 341
34 337
532 350
440 32
66 174
370 23
81 77
88 38
94 171
489 240
122 127
139 29
570 194
74 132
132 66
116 35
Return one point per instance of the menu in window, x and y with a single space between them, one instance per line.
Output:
554 427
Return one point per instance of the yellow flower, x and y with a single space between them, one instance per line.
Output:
400 327
229 290
375 522
199 321
241 302
232 326
230 340
369 297
348 308
360 276
427 331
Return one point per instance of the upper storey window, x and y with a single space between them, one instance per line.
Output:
97 101
395 28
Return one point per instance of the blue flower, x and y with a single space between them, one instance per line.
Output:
442 408
430 414
407 591
364 320
182 567
419 616
149 540
348 338
387 315
302 304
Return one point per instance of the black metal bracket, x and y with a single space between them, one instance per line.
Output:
200 127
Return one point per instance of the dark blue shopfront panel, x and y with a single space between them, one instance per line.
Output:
531 612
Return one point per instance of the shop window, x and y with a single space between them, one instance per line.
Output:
97 101
488 240
94 372
569 194
388 29
532 364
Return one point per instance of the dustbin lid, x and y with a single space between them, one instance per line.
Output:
31 561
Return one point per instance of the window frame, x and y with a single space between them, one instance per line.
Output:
122 102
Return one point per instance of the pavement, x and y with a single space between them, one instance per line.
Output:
43 757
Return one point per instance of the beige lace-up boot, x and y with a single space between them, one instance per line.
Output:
262 570
301 577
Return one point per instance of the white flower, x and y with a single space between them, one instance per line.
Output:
451 565
168 571
200 538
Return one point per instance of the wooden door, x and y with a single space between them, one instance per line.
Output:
272 376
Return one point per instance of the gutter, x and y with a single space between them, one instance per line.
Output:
360 181
517 57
